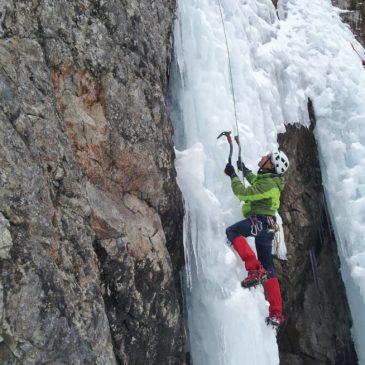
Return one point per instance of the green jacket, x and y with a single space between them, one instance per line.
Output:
263 196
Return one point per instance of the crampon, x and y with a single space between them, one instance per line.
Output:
254 278
275 320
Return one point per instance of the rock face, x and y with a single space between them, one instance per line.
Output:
90 213
354 16
317 330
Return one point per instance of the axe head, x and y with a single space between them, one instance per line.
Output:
226 133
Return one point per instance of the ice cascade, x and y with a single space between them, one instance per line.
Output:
276 66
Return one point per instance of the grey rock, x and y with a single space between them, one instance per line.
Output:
8 100
5 6
88 193
354 16
6 242
59 173
318 319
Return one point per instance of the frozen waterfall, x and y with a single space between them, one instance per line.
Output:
276 66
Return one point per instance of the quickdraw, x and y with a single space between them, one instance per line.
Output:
256 225
272 226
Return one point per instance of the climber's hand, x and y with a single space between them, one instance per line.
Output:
229 170
242 167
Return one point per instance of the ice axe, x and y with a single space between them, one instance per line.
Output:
237 139
229 139
239 162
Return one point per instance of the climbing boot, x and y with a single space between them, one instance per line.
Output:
255 277
273 296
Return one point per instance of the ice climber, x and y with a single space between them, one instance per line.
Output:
261 201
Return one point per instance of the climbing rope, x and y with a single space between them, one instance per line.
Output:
353 47
229 68
362 59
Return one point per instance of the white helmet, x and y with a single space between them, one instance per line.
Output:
280 161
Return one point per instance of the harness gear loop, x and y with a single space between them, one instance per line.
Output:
229 66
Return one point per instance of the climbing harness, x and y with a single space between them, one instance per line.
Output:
256 225
271 228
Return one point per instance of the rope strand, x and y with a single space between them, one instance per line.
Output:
229 66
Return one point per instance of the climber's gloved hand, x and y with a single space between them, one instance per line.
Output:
229 170
242 167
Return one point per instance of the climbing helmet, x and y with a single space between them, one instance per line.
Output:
280 161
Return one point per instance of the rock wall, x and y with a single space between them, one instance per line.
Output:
354 15
317 329
90 213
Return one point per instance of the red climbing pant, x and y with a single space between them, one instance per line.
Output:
247 255
273 296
